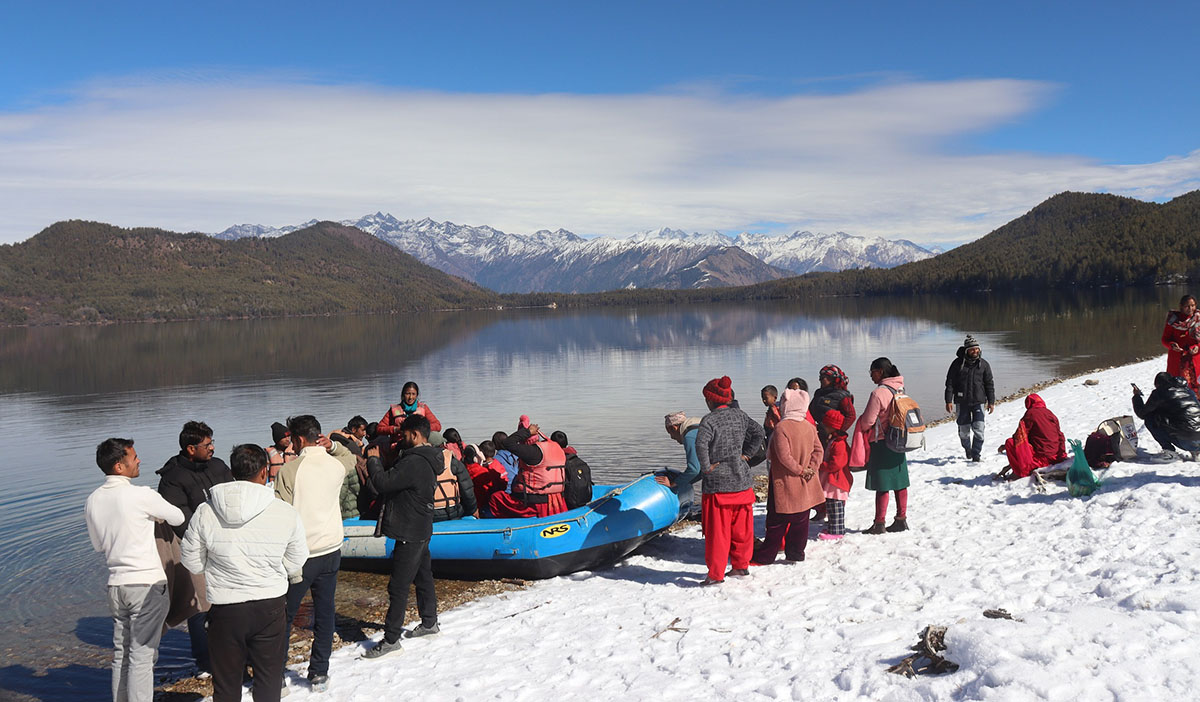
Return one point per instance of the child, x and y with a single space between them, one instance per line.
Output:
835 475
486 472
770 400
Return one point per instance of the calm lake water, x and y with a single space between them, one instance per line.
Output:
605 377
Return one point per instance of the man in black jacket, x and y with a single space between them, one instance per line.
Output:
968 388
184 481
407 493
1171 413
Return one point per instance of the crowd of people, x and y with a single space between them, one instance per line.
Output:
233 549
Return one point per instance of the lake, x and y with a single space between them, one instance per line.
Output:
604 376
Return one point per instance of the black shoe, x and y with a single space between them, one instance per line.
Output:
900 524
382 649
968 454
319 683
876 528
738 572
422 630
974 458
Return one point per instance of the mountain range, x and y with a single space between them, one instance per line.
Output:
560 261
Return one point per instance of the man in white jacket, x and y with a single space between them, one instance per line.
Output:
120 521
246 543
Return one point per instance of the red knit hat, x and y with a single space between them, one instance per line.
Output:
833 419
719 390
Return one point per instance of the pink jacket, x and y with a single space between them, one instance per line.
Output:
871 423
795 448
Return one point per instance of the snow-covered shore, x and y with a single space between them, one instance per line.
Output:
1105 592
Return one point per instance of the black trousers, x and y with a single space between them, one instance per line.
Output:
410 566
253 632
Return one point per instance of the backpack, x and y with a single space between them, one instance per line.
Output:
578 490
1098 450
1124 436
905 428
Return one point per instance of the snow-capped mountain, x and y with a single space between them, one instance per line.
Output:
560 261
805 252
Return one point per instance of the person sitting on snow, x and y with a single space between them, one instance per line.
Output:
1037 443
1171 413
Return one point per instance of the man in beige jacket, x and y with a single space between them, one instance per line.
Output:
312 483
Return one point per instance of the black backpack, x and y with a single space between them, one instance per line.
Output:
578 490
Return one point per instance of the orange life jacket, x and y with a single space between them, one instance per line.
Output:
548 477
399 413
445 487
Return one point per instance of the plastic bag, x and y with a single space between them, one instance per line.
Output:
1081 481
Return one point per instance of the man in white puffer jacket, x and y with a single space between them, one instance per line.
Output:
246 543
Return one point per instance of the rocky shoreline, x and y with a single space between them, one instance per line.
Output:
361 605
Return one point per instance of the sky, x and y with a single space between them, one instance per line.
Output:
930 121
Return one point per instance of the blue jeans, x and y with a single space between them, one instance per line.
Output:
319 575
1162 434
970 428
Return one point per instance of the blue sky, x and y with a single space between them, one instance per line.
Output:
929 121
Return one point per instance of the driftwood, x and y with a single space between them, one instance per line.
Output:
671 627
932 640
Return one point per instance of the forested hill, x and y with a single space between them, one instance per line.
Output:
1071 240
88 271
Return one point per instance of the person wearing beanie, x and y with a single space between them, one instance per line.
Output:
279 452
725 440
969 388
836 478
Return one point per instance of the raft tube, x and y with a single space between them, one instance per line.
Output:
618 520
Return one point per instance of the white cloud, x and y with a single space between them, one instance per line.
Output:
198 153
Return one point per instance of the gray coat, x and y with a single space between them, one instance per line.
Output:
726 435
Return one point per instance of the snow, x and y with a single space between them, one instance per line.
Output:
1104 591
435 242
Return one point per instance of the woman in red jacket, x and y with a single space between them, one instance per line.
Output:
1181 337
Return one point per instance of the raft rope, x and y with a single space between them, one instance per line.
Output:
542 525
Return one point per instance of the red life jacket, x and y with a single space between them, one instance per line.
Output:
548 477
445 487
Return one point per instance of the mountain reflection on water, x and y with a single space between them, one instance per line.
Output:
605 376
87 360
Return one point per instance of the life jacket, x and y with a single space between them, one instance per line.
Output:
276 459
445 486
534 484
399 413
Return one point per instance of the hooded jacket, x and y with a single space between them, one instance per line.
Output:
795 449
1173 405
1044 435
969 382
246 543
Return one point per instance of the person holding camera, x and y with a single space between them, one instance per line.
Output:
1172 414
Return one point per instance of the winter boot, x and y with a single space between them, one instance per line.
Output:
901 524
876 528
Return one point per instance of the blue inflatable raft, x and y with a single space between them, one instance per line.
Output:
618 520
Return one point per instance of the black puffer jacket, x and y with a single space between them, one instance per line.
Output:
1174 405
185 484
407 492
969 382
